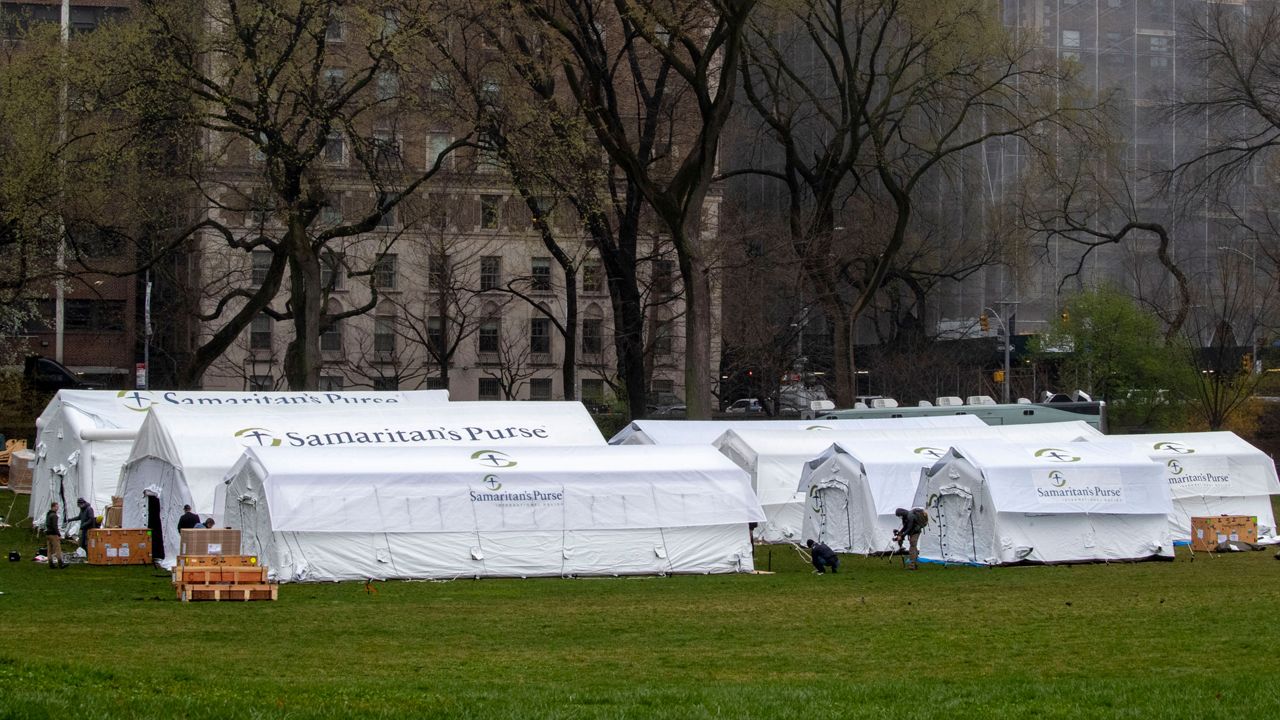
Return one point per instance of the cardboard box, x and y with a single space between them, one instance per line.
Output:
1208 532
113 518
218 541
20 471
212 560
119 546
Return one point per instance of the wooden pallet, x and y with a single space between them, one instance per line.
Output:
212 560
227 592
219 574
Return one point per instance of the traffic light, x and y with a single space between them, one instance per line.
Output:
1246 362
985 323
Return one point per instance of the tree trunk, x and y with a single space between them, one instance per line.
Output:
302 357
697 335
569 369
842 356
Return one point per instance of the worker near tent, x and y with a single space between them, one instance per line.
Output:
88 521
913 522
823 557
53 538
208 523
188 519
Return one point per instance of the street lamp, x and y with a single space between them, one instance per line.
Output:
1008 341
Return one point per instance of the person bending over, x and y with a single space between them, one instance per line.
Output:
913 522
823 557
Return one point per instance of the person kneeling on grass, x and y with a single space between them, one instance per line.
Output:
823 557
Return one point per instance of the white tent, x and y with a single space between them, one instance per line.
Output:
993 503
182 454
1211 473
84 436
444 512
705 432
852 490
775 459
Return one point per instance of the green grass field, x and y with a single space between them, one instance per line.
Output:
1188 639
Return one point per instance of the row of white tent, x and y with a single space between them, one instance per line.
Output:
329 486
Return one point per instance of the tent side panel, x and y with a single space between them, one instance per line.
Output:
1066 538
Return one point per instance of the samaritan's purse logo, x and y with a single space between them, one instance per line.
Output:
1057 479
257 437
1057 455
492 482
926 451
818 427
1175 467
1173 447
135 400
493 458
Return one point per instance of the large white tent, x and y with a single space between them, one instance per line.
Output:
446 512
993 503
775 459
84 436
1211 473
705 432
182 454
853 489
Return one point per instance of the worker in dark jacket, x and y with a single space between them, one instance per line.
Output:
823 557
53 538
913 522
88 521
188 519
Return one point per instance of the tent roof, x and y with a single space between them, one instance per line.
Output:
704 432
445 489
1072 477
892 469
126 409
204 443
753 442
1220 464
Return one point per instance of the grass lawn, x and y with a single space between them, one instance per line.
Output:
1153 640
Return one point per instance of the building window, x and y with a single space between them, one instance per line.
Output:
386 148
436 383
331 338
1159 61
593 390
330 383
334 78
662 339
438 271
1159 44
261 267
435 335
541 212
662 271
1114 38
260 333
1071 38
490 211
488 160
386 383
489 389
94 315
592 277
336 30
384 333
387 85
388 219
592 336
663 391
331 213
490 272
540 336
1115 3
490 91
384 272
261 383
540 389
490 328
335 149
437 144
541 271
330 271
262 207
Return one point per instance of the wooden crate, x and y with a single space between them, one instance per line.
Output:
211 560
119 546
1208 532
224 592
219 574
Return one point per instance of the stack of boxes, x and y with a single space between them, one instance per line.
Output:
211 568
